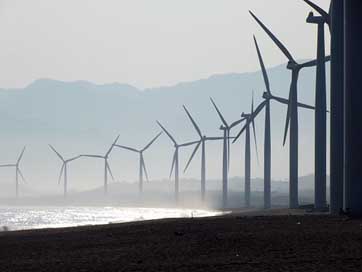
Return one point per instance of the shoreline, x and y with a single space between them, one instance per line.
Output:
251 212
233 242
37 217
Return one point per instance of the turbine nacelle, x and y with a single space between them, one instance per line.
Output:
245 115
326 16
292 65
315 19
267 95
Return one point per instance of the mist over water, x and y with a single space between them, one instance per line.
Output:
124 204
22 218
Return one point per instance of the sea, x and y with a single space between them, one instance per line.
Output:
24 218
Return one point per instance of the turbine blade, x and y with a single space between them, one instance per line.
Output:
305 106
116 140
56 152
253 115
152 141
7 165
253 125
287 121
321 11
281 100
313 63
144 169
173 163
61 173
127 148
193 121
188 144
92 156
168 134
258 109
21 174
240 133
109 170
213 138
219 113
275 40
21 155
261 62
252 102
110 149
237 122
255 139
286 102
192 155
73 159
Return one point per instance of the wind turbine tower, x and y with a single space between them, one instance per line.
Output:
292 114
175 161
64 169
202 143
225 127
17 172
267 97
320 146
142 165
107 169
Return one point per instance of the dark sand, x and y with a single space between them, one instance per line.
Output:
229 243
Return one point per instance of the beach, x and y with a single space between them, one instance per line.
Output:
237 242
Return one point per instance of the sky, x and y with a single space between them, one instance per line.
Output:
145 43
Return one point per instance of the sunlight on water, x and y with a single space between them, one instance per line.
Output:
16 218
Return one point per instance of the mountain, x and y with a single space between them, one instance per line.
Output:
82 117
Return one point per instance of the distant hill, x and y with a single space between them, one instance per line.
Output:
82 117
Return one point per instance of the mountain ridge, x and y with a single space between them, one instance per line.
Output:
84 117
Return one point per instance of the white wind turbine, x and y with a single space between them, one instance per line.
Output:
17 172
175 160
142 165
107 169
202 143
64 169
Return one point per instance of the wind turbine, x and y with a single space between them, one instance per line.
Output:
64 169
107 169
225 127
292 114
249 121
320 153
202 143
17 172
142 165
175 160
267 96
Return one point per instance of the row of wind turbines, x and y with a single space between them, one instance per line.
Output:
247 120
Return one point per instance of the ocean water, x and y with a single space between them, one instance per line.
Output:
20 218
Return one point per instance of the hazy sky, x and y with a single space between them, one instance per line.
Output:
144 42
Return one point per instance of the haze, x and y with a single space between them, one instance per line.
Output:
145 44
141 42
